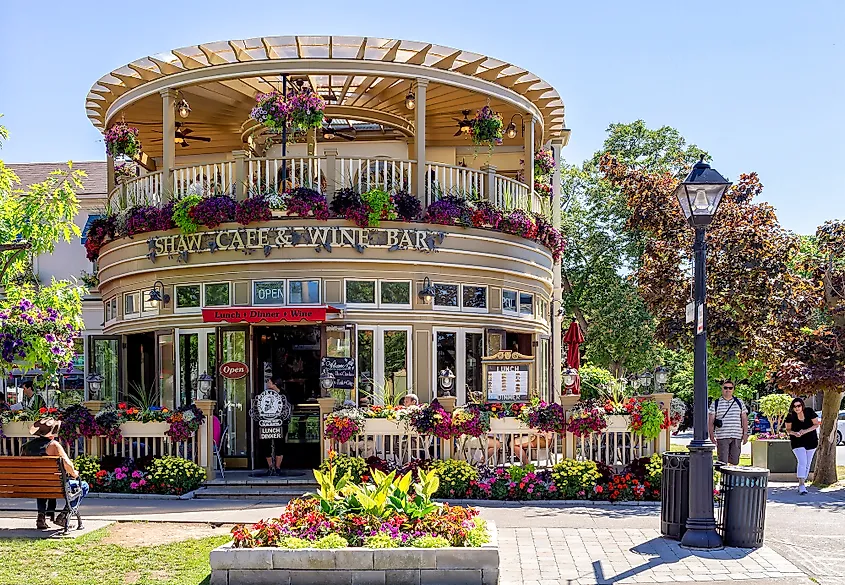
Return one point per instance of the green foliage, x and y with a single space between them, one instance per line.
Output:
331 541
87 467
176 475
478 535
455 477
430 542
380 206
775 407
575 479
517 472
292 542
649 420
593 380
381 540
352 467
182 213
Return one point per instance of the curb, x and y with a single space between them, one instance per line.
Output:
116 496
549 503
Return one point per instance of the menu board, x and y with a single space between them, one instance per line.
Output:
507 382
343 370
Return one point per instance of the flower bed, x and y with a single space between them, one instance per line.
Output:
165 475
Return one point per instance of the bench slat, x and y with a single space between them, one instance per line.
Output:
14 474
31 493
28 462
31 477
45 482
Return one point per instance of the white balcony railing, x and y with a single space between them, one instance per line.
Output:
208 179
364 174
449 180
275 175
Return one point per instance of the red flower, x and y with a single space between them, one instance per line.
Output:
42 410
121 405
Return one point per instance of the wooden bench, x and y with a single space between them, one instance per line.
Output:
39 477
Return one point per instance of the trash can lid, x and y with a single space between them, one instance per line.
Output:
744 470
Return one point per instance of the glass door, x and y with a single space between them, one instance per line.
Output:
234 398
165 359
459 350
196 354
104 359
386 352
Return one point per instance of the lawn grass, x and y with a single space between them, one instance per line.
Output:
90 561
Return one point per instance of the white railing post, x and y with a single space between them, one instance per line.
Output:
204 454
326 408
330 171
241 192
490 183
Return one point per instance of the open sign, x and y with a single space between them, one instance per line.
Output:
234 370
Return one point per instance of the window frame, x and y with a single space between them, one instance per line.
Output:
205 285
136 314
530 314
486 307
284 282
376 294
509 311
383 305
457 307
319 282
110 307
177 308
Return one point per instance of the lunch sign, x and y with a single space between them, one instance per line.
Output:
266 239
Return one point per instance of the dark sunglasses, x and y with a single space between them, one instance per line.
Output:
727 387
797 405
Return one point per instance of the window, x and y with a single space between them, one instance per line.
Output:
270 292
509 298
131 305
446 296
110 309
304 292
384 363
147 305
475 298
360 292
217 295
188 297
526 304
459 350
396 293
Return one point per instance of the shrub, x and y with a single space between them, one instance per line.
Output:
305 202
647 419
654 471
381 541
455 477
87 467
430 542
345 200
142 219
293 542
182 214
775 407
174 475
575 480
407 206
519 223
354 467
593 380
486 215
478 535
379 205
331 541
449 211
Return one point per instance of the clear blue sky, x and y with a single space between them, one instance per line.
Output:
758 84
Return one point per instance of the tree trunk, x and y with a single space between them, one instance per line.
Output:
826 455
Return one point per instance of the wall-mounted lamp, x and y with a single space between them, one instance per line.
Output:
447 381
157 295
570 375
204 385
510 131
327 380
95 384
183 108
328 134
410 100
426 294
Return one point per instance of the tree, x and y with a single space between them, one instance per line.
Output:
603 253
37 323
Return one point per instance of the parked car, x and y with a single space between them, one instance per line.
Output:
759 423
840 428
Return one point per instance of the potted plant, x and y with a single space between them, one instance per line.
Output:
122 140
487 127
772 450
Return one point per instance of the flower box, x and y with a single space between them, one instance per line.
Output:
17 429
617 423
508 425
142 429
775 455
457 566
383 426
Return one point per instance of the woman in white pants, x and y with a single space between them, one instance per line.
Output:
801 425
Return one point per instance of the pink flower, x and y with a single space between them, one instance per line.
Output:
136 474
133 485
552 488
142 482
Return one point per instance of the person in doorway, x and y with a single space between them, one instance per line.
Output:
410 400
364 402
728 424
273 449
801 424
30 400
45 443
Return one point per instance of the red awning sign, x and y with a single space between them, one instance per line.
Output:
266 315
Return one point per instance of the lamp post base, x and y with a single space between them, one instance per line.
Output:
701 536
701 525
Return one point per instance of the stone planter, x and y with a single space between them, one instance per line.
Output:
17 429
396 566
383 426
617 423
775 455
142 429
508 425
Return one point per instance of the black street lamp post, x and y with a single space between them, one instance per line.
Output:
699 196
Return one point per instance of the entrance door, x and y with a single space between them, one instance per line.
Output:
384 363
460 350
196 354
234 398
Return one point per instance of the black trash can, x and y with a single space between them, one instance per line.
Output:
674 495
742 517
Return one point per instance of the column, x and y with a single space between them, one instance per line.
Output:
528 137
241 192
557 293
490 184
326 408
419 138
110 182
205 438
168 128
331 173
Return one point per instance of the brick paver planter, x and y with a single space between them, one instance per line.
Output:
354 566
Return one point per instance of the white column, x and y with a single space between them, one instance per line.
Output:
419 138
557 291
528 137
168 128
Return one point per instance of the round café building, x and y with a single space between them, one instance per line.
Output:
280 275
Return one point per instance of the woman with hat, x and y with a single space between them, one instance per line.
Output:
45 443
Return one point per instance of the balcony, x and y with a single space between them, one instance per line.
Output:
246 177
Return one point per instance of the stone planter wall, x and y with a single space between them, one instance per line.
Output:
353 566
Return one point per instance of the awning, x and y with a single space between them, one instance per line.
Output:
268 314
87 227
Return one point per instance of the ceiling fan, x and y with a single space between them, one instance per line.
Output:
330 97
182 136
330 133
465 125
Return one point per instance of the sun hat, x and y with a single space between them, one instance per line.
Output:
45 426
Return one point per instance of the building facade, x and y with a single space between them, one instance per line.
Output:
399 307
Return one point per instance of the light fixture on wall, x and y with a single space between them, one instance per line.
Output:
426 294
661 375
447 381
204 385
570 375
327 380
158 297
183 108
510 131
328 134
95 384
410 100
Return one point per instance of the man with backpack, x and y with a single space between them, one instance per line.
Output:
728 424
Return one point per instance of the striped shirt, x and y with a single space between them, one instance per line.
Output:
730 413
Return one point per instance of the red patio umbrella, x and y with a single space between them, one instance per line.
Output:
573 338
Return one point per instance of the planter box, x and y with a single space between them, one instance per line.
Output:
17 429
397 566
508 425
142 429
617 423
775 455
384 426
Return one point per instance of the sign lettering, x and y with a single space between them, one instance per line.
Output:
234 370
268 315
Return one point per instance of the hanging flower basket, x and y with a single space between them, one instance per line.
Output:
302 110
487 127
544 163
269 110
122 140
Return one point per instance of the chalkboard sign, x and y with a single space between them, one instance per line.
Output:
343 370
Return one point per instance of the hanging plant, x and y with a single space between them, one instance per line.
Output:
544 163
269 110
305 110
122 140
379 206
487 127
182 214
